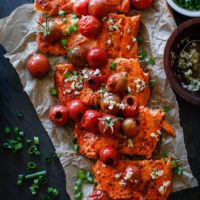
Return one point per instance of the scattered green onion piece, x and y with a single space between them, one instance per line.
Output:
36 140
78 182
67 75
20 114
31 166
36 175
21 134
53 92
139 40
89 177
174 163
72 29
32 149
17 147
53 191
28 141
77 188
16 130
74 16
33 191
63 42
78 196
75 146
166 109
43 179
113 66
36 184
75 73
6 130
20 179
143 55
37 153
61 13
152 83
45 197
81 175
151 61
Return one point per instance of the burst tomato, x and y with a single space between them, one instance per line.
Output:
130 127
109 155
142 4
98 195
80 7
98 8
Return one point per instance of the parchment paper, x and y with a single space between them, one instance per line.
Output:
17 35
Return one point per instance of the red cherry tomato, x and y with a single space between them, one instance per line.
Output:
90 120
109 125
98 195
78 56
130 127
94 79
110 103
98 8
117 83
38 65
109 155
76 109
131 106
132 175
80 7
97 57
89 26
58 115
142 4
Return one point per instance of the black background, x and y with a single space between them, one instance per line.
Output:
12 98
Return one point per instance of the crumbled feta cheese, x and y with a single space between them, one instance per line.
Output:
97 72
114 28
128 175
109 41
120 106
163 187
153 135
134 39
117 176
159 132
130 143
128 47
73 85
140 85
122 183
128 30
76 92
156 174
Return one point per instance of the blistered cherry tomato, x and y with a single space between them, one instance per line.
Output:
98 195
142 4
109 155
131 106
98 8
132 175
110 125
78 56
80 7
90 120
58 115
117 82
97 57
110 103
89 26
94 80
76 109
38 65
130 127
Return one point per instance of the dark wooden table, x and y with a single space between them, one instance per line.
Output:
15 99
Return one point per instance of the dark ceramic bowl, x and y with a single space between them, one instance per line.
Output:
189 29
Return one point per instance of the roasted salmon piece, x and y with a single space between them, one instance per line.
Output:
155 183
117 36
53 6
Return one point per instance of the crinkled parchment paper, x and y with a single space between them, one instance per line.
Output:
17 35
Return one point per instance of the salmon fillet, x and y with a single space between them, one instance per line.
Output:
117 36
156 181
53 6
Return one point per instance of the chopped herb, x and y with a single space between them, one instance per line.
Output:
152 83
31 166
33 191
68 74
6 130
143 55
53 191
166 109
53 92
113 66
139 39
75 73
36 140
78 196
63 42
36 175
151 61
20 179
75 146
16 130
61 13
28 141
45 197
74 16
177 169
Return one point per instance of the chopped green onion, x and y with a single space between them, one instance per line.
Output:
33 191
36 175
35 183
36 140
53 92
61 13
139 39
17 147
74 16
63 42
20 114
75 73
143 55
89 177
16 130
37 153
6 130
177 169
20 179
28 141
21 133
77 188
53 191
81 175
76 147
113 66
67 75
151 61
31 166
45 197
166 109
43 179
32 149
174 163
152 83
78 182
73 29
78 196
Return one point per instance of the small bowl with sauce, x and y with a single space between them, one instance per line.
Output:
182 60
185 7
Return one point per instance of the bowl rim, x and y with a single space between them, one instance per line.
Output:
183 11
184 94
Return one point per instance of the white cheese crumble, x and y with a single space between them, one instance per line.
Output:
129 143
163 187
134 39
153 135
128 47
128 30
122 183
117 176
128 175
140 85
156 174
